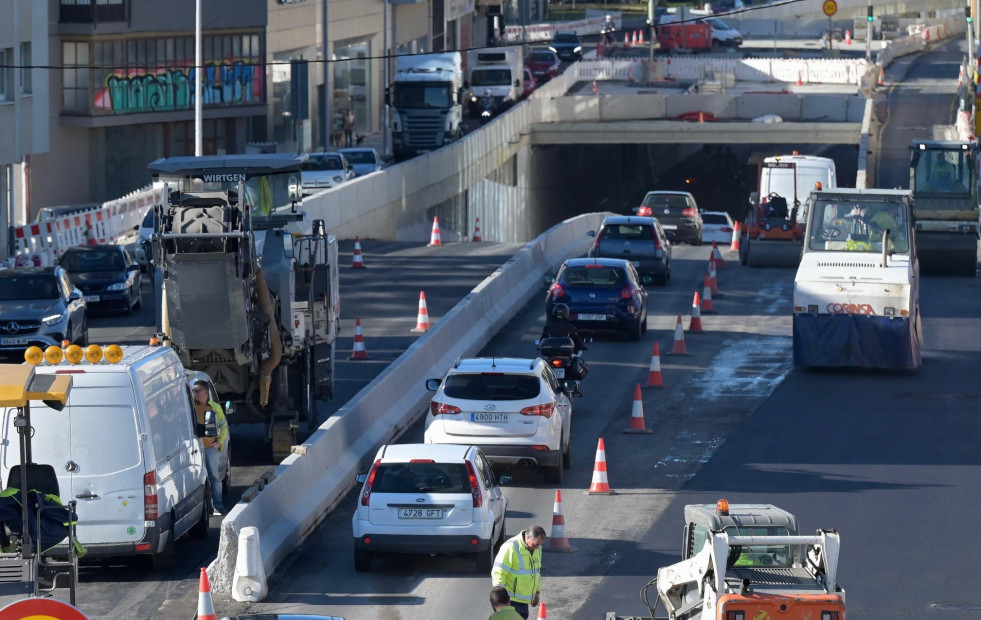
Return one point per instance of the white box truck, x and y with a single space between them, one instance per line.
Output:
495 76
427 110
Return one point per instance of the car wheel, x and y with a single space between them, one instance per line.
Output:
200 529
553 475
634 331
164 559
362 560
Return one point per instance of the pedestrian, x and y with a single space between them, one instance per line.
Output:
501 604
214 455
518 567
349 128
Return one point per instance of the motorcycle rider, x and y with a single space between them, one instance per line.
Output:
607 30
559 326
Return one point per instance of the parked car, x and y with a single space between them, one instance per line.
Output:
141 248
107 276
544 64
39 306
325 170
640 240
527 82
677 212
515 410
428 499
567 46
228 409
364 160
717 226
602 294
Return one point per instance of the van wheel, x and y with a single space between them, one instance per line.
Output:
163 560
200 529
362 560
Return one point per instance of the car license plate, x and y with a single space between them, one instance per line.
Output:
420 513
559 373
496 418
91 298
592 317
13 341
669 226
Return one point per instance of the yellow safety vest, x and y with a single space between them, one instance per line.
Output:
518 570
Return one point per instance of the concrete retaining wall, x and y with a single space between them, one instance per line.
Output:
307 487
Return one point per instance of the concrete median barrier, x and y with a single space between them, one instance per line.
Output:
308 486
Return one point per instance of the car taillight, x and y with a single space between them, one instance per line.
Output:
545 410
438 408
688 212
366 493
556 291
628 291
478 497
726 229
644 211
558 362
150 496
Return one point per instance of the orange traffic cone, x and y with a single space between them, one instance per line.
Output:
678 347
654 378
848 37
626 39
542 612
600 485
707 306
595 88
358 262
434 238
558 540
800 81
717 256
476 231
359 353
882 77
422 320
695 322
713 278
206 606
636 426
734 246
640 38
633 41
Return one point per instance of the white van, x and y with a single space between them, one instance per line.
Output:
126 447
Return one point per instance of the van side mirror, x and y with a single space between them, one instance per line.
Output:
229 407
503 479
210 426
432 384
294 190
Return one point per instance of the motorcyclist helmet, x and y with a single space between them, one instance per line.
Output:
560 311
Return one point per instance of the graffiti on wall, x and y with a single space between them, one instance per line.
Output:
163 90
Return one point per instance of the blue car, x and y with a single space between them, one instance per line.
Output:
603 294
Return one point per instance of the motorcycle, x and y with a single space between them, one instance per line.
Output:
485 104
567 365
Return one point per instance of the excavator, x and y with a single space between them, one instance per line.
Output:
773 232
745 562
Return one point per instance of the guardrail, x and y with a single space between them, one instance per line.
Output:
307 486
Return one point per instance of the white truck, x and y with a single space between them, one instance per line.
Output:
427 110
857 289
495 75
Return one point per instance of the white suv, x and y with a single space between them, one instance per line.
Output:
514 409
430 499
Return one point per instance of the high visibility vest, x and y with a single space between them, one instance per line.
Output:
518 570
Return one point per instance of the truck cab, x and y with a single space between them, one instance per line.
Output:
427 107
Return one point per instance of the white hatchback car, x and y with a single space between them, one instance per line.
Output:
515 410
717 226
427 499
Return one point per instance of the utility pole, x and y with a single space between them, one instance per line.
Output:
198 70
869 32
325 65
385 78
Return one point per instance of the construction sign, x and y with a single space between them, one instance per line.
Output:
41 609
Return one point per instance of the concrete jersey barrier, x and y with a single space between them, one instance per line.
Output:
306 487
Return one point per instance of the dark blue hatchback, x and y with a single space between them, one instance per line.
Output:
603 294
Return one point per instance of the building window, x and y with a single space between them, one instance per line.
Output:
6 74
25 68
75 76
92 11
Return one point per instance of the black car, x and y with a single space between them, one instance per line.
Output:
603 294
107 275
567 46
677 212
640 240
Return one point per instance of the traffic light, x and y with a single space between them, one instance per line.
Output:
967 13
870 17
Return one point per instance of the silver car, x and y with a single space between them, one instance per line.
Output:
364 159
325 170
39 306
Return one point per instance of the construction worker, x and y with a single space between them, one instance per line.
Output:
501 604
518 567
214 455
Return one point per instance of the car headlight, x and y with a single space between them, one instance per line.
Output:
552 49
578 49
118 286
338 179
53 319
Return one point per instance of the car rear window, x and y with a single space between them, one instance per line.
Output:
540 57
714 218
627 232
673 202
421 477
492 386
598 275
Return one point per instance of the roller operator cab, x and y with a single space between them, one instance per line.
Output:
856 294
